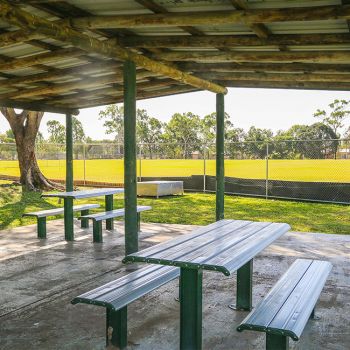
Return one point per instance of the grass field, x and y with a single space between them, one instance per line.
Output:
109 170
193 208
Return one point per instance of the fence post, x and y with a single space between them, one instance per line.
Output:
267 172
84 159
140 156
204 169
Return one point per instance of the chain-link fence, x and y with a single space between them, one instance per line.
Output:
295 169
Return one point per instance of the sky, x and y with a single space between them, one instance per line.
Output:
264 108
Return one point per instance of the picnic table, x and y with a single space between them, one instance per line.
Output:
225 246
68 198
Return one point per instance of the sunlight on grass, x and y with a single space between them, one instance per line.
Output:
194 209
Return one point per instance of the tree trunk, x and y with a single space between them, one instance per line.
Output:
25 127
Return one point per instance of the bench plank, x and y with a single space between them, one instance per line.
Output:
112 213
287 307
59 211
121 292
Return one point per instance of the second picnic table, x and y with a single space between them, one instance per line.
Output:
68 198
224 246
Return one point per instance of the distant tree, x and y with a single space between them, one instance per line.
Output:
184 130
78 131
256 140
335 118
149 131
25 127
235 142
57 132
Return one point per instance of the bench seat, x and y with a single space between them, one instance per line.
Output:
286 309
97 219
116 295
43 214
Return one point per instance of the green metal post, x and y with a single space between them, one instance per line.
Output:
68 202
84 222
41 227
276 342
131 229
97 231
220 150
244 287
117 328
190 309
139 222
109 207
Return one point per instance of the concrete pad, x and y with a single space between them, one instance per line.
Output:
38 278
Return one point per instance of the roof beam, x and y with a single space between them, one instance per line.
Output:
261 57
214 17
65 33
37 106
258 28
204 41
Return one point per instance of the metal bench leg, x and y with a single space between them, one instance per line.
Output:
109 207
244 287
138 222
117 328
276 342
84 222
97 231
191 309
68 219
41 224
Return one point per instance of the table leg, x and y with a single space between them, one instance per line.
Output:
191 309
244 287
68 219
109 207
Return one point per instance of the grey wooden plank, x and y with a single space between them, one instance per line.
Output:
113 213
59 211
85 194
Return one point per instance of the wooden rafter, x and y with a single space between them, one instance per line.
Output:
215 17
87 43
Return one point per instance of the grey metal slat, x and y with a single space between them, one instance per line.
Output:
85 194
182 239
296 310
58 211
266 310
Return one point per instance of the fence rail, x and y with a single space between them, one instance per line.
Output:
293 169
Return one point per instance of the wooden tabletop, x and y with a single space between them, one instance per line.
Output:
85 194
223 246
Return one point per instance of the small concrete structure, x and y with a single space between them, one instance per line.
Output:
159 188
38 279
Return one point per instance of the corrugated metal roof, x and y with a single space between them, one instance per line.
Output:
225 40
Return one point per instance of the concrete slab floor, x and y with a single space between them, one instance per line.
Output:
39 278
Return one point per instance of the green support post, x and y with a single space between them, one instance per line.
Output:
117 328
220 151
276 342
97 232
131 229
68 202
139 222
190 309
84 222
41 228
109 207
244 287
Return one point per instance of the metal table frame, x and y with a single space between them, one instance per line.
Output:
225 246
68 198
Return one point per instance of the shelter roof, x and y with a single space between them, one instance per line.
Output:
233 43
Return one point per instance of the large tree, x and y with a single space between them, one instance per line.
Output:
25 127
336 116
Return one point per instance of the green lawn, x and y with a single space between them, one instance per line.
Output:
195 208
111 170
